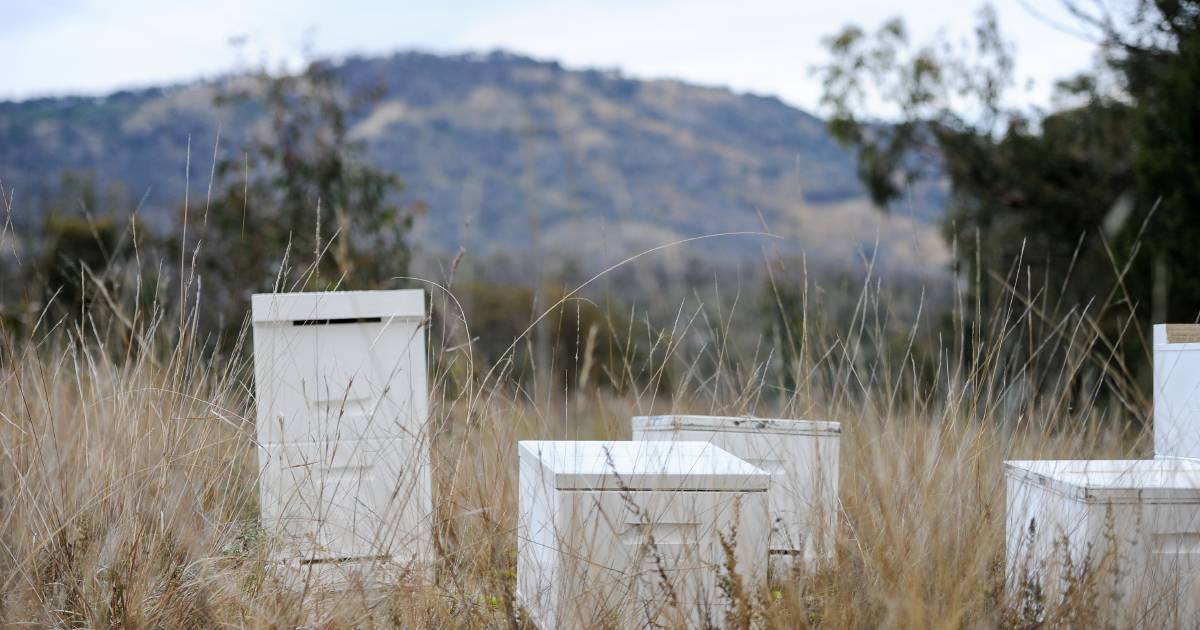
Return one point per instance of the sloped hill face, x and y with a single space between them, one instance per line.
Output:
514 154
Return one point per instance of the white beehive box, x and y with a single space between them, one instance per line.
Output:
1177 390
802 457
628 534
1144 514
342 403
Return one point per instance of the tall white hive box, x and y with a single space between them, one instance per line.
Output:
1143 513
342 404
1177 390
802 457
614 533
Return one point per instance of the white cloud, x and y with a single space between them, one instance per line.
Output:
753 45
766 47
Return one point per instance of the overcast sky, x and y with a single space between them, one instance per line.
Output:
97 46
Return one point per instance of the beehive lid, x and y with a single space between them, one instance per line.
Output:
681 465
337 306
1114 481
739 424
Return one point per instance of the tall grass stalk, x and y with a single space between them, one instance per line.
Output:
128 475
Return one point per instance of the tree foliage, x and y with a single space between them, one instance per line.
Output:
302 185
88 236
1090 204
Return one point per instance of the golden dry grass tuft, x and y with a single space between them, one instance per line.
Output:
128 488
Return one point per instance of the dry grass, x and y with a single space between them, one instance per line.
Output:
128 491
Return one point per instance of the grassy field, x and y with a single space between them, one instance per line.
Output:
128 480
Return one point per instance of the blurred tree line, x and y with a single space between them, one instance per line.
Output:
1090 206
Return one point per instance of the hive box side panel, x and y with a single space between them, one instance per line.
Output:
1176 394
282 383
538 535
279 382
627 555
1157 550
340 382
1040 526
354 499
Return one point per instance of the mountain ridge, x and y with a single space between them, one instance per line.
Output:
511 153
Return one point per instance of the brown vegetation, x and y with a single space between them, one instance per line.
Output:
128 475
